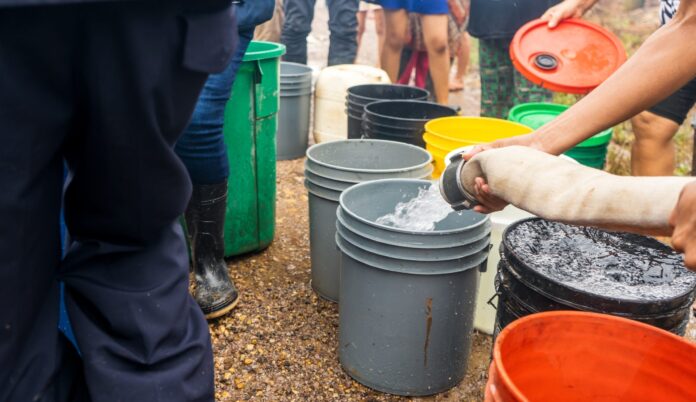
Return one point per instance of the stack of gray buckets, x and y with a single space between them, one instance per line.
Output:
331 168
407 298
293 116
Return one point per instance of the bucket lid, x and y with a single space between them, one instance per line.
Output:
535 115
593 269
575 57
260 50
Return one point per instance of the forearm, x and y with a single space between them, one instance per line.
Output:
665 62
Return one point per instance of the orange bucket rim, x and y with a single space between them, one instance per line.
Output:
497 358
429 124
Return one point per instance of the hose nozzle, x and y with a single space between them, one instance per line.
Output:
451 188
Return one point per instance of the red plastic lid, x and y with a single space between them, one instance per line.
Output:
575 57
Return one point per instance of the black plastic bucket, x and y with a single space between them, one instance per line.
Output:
548 266
401 120
361 95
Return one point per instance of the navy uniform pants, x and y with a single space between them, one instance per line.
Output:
108 87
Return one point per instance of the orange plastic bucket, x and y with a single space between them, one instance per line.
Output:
578 356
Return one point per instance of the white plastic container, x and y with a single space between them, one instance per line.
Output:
330 120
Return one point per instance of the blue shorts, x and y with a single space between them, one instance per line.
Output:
427 7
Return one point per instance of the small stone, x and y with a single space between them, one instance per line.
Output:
248 361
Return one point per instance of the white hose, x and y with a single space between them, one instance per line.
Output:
557 190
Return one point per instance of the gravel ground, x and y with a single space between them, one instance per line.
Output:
280 343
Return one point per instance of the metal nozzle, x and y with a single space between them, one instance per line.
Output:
451 188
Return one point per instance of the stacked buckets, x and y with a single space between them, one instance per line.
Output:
407 297
361 95
449 133
293 116
401 120
333 167
591 152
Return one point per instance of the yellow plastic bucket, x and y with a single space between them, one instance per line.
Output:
448 133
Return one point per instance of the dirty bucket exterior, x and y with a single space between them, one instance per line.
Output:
330 120
405 323
293 116
579 356
448 133
360 96
250 135
525 286
591 152
335 166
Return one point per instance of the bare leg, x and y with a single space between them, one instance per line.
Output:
457 82
379 28
435 36
396 30
652 153
362 20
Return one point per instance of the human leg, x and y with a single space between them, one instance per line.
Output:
396 32
36 113
463 50
141 335
497 82
343 25
203 151
297 25
435 36
378 15
652 151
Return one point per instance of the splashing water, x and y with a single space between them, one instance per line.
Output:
419 214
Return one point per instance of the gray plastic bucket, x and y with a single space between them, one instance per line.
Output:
293 115
331 168
406 318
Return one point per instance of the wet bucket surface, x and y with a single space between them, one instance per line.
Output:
400 120
361 95
551 266
406 308
333 167
577 356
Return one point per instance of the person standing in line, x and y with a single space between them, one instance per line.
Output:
653 152
494 23
203 151
433 16
107 86
343 25
378 15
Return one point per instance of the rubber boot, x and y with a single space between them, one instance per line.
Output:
205 218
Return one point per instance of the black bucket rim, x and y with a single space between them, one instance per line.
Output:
381 103
370 123
367 127
561 291
424 94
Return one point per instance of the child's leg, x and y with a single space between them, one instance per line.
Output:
379 28
435 36
396 29
457 82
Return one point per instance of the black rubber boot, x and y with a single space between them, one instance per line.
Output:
205 218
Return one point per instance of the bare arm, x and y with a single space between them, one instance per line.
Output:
664 63
567 9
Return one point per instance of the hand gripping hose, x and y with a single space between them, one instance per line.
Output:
558 190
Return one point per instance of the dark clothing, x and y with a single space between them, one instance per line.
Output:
502 86
677 105
343 24
202 146
108 87
494 19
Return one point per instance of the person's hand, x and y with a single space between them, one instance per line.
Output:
566 9
487 201
683 220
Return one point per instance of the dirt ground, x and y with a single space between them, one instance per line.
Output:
280 343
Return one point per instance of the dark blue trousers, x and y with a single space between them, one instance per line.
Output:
343 25
109 87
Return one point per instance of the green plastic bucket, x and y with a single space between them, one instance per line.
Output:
591 152
251 122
